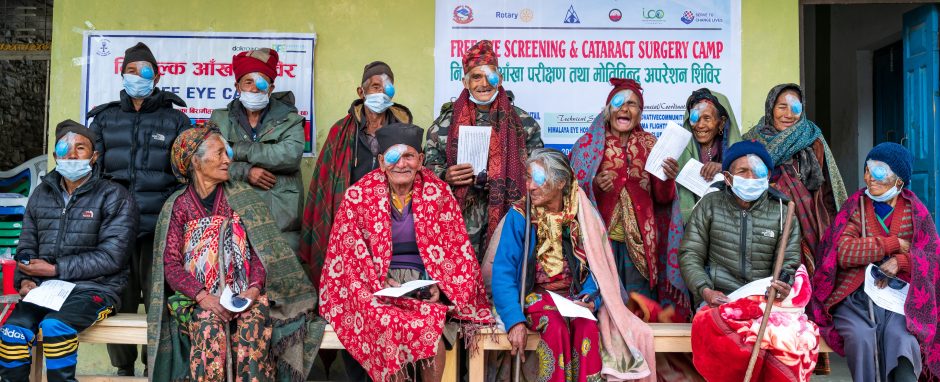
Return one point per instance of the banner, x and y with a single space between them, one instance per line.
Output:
196 66
557 56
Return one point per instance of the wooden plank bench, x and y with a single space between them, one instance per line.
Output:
330 341
118 329
667 338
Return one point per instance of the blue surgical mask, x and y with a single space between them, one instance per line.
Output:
378 102
886 196
253 101
481 103
749 189
73 169
137 86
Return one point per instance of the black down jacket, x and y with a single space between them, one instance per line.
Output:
134 148
87 239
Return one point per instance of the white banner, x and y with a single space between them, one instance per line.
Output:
556 56
196 66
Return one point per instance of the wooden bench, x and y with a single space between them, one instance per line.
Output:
330 341
118 329
667 338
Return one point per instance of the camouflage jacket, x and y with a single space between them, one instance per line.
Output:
435 151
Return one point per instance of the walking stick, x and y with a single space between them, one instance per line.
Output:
517 375
871 309
772 294
221 282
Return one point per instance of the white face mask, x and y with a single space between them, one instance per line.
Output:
253 101
73 169
886 196
484 103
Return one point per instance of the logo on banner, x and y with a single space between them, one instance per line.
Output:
653 15
104 49
615 15
688 17
506 15
572 16
463 14
526 15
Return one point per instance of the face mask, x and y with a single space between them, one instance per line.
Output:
378 102
73 169
888 195
253 101
749 189
481 103
137 86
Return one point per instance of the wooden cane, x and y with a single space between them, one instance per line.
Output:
517 374
772 294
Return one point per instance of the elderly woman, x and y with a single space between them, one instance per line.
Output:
217 236
885 233
398 224
805 168
570 257
708 116
609 162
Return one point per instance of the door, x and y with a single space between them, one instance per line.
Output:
921 96
888 96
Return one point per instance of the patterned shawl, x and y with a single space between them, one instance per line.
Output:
297 332
921 308
505 171
662 256
385 334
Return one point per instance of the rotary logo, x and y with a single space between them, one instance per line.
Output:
526 15
463 14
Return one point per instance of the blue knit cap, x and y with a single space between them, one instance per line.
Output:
897 157
743 148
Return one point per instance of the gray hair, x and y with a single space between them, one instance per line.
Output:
557 170
200 153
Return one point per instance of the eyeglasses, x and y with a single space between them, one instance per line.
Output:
893 282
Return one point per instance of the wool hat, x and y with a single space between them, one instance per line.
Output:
744 148
70 126
139 52
896 156
263 61
377 67
399 133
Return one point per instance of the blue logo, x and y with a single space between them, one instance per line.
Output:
688 17
572 16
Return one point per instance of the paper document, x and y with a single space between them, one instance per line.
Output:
50 294
756 287
473 146
232 302
887 298
404 288
690 177
568 308
669 145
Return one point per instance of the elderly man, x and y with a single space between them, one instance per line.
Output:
349 153
134 135
731 239
484 197
267 138
77 228
398 224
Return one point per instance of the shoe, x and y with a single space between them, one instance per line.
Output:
125 372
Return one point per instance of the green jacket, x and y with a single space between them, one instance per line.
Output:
278 147
725 246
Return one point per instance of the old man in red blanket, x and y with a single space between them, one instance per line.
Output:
401 223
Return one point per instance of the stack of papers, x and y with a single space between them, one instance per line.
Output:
473 146
670 144
690 177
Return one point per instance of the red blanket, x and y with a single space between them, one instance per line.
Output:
384 334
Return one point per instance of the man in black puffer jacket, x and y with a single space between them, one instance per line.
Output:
77 228
135 135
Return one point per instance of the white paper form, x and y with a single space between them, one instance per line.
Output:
691 178
50 294
404 288
473 146
226 301
670 144
756 287
568 308
887 297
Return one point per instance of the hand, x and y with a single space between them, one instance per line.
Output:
252 294
605 180
890 267
459 175
391 283
709 170
905 245
38 268
435 294
671 168
26 286
589 305
517 338
261 178
881 284
212 304
713 297
782 288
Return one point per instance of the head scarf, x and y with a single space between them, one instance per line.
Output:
479 54
262 61
625 84
185 146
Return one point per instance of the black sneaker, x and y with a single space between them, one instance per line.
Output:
125 372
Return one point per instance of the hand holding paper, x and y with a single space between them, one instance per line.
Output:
568 308
691 178
473 146
50 294
404 288
670 144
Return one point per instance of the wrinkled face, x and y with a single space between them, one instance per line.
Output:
73 146
627 116
401 164
254 83
541 190
784 117
708 124
878 187
373 85
138 67
213 166
479 86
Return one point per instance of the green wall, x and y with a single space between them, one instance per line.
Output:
353 33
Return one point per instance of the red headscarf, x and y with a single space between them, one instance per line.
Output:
481 53
263 61
626 84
